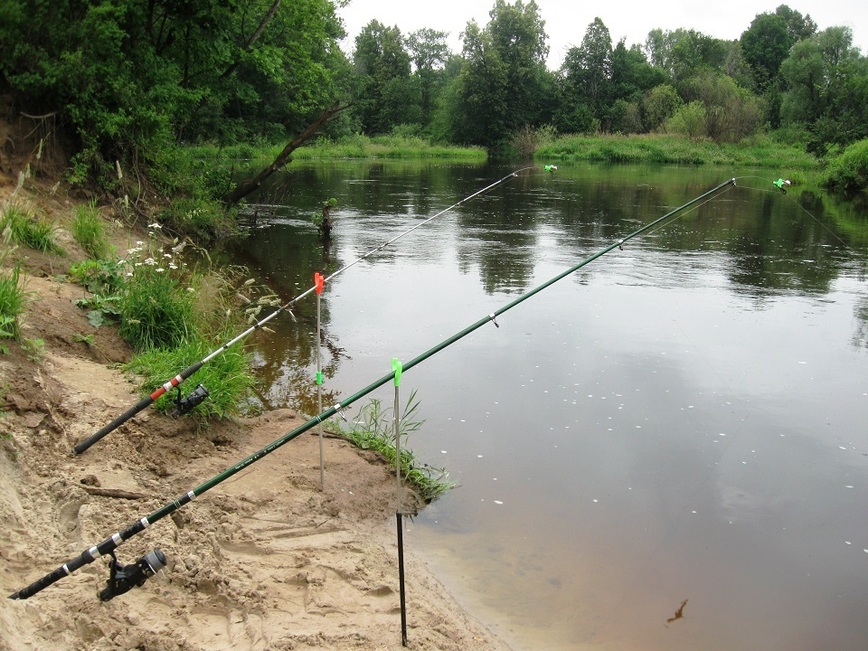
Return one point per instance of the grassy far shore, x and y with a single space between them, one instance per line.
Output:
760 151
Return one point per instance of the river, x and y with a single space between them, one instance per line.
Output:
665 450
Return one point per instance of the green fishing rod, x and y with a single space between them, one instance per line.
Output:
184 405
145 567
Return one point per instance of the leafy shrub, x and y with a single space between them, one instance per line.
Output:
689 120
848 172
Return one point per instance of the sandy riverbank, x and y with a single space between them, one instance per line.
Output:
265 560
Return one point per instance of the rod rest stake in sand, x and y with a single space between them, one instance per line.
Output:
116 539
83 445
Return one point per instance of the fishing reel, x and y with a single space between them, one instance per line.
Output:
188 404
123 578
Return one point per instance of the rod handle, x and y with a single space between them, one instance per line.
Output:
144 403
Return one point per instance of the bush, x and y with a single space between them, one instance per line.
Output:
848 172
689 120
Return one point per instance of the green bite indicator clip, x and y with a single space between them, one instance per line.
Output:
397 368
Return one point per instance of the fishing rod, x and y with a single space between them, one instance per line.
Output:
111 543
185 405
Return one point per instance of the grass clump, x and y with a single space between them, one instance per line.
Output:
226 377
373 429
28 230
13 299
156 310
88 230
12 303
172 317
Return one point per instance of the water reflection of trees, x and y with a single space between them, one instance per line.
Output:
800 242
285 258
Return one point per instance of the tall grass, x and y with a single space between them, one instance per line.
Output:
226 377
12 303
27 229
155 310
404 147
670 149
89 231
13 299
173 318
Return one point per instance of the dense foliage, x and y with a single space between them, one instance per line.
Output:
129 80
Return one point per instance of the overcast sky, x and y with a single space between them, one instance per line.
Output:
567 20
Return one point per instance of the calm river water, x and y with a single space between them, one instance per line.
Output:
683 419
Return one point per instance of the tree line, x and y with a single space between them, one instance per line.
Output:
783 73
129 80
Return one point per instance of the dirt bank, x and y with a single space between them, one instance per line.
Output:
265 560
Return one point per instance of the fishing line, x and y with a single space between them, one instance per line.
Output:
175 382
782 185
111 543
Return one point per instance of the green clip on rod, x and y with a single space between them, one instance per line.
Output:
112 542
144 403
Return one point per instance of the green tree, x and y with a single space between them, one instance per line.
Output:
387 95
587 75
429 54
764 46
632 74
659 104
683 52
632 77
128 78
504 84
480 114
826 89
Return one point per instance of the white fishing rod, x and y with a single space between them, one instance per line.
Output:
200 393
